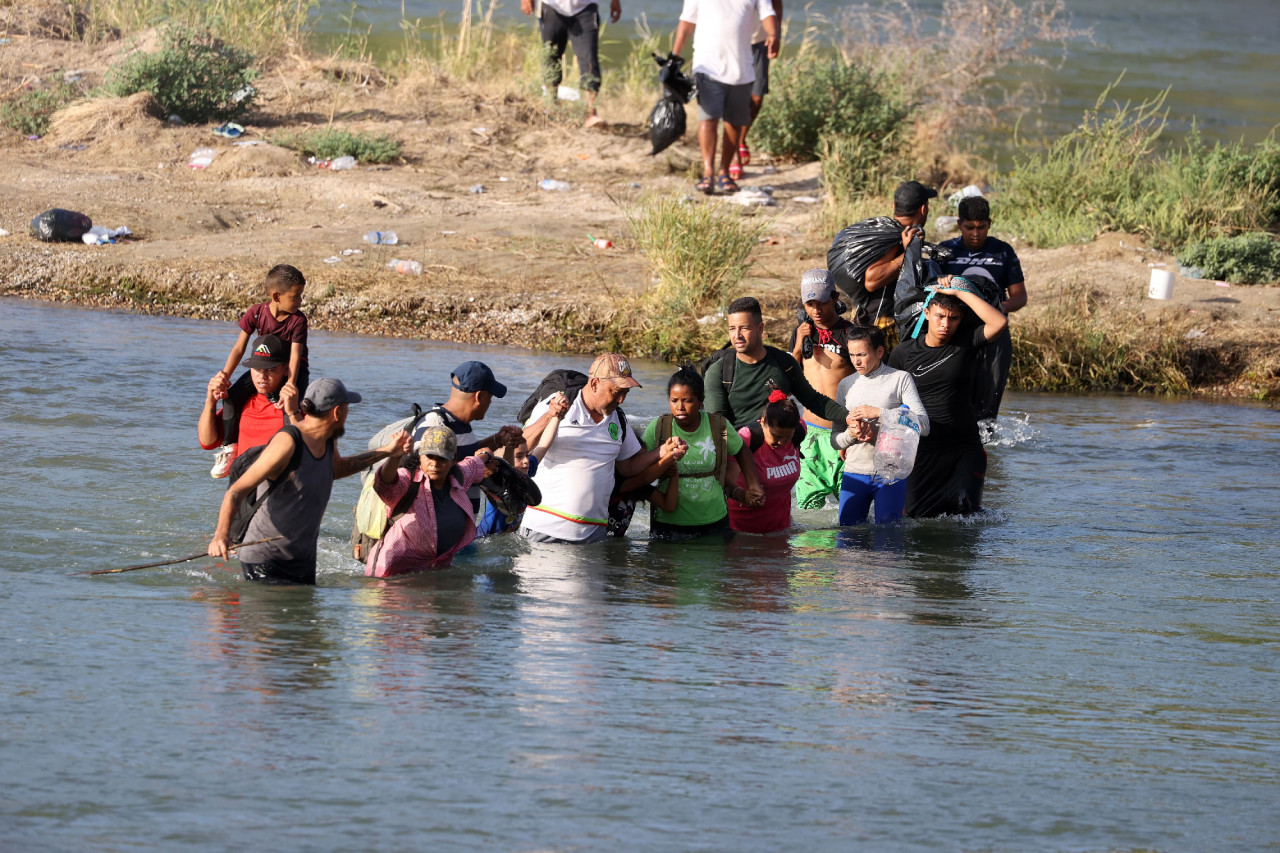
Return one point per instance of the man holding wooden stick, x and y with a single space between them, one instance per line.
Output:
303 461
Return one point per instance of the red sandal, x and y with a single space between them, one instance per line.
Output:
735 171
744 154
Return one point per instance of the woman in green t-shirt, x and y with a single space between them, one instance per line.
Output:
706 465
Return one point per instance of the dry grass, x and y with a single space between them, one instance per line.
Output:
100 118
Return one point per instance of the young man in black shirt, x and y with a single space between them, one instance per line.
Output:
950 463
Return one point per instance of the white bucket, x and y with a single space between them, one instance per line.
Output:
1161 284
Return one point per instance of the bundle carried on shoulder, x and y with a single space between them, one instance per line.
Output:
853 251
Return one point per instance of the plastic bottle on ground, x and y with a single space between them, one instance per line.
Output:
405 267
201 158
339 164
381 238
602 243
896 444
550 184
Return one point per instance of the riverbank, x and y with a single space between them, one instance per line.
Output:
510 265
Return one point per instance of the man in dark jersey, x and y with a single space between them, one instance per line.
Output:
950 463
978 254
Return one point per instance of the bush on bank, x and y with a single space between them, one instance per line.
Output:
29 111
194 75
330 142
1245 259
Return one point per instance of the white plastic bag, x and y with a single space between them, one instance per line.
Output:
896 444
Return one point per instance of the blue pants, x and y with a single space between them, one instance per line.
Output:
857 491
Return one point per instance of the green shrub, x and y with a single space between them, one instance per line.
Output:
1106 176
1246 259
816 96
329 142
28 112
194 75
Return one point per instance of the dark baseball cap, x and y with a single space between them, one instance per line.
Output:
472 376
912 195
324 394
268 351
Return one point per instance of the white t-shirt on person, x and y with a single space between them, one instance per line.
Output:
568 8
576 475
722 43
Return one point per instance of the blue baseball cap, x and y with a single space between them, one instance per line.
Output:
472 376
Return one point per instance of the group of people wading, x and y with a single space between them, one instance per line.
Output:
744 430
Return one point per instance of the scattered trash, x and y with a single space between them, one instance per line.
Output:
504 180
175 120
332 260
806 199
230 130
69 147
1192 334
75 76
60 226
600 242
343 163
971 191
583 156
4 41
448 233
752 196
769 170
568 93
201 158
1190 272
635 185
405 267
240 94
352 252
711 318
477 189
686 199
382 238
946 224
1222 283
33 137
3 233
97 235
342 206
480 131
245 143
553 185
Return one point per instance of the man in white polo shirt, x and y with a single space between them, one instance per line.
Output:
576 475
723 71
577 21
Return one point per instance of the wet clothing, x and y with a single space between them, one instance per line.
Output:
701 499
576 476
293 512
885 388
566 21
259 420
436 526
241 398
857 491
747 396
950 462
819 470
1000 261
679 532
468 441
778 469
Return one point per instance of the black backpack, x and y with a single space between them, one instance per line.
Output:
252 502
570 382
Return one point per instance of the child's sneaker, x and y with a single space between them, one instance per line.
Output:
222 462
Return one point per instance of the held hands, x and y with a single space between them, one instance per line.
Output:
400 444
490 461
288 400
559 405
753 497
508 436
674 448
218 386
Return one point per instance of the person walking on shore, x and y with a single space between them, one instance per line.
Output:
561 22
723 73
304 460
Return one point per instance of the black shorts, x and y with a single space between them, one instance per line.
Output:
946 481
760 63
583 29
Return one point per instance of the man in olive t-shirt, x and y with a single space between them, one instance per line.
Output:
757 370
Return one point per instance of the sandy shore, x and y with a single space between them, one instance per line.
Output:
510 265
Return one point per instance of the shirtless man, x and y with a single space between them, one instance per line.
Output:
820 345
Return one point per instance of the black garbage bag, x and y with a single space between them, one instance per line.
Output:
852 252
666 123
675 83
60 226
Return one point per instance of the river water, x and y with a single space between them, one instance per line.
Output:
1090 667
1220 59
